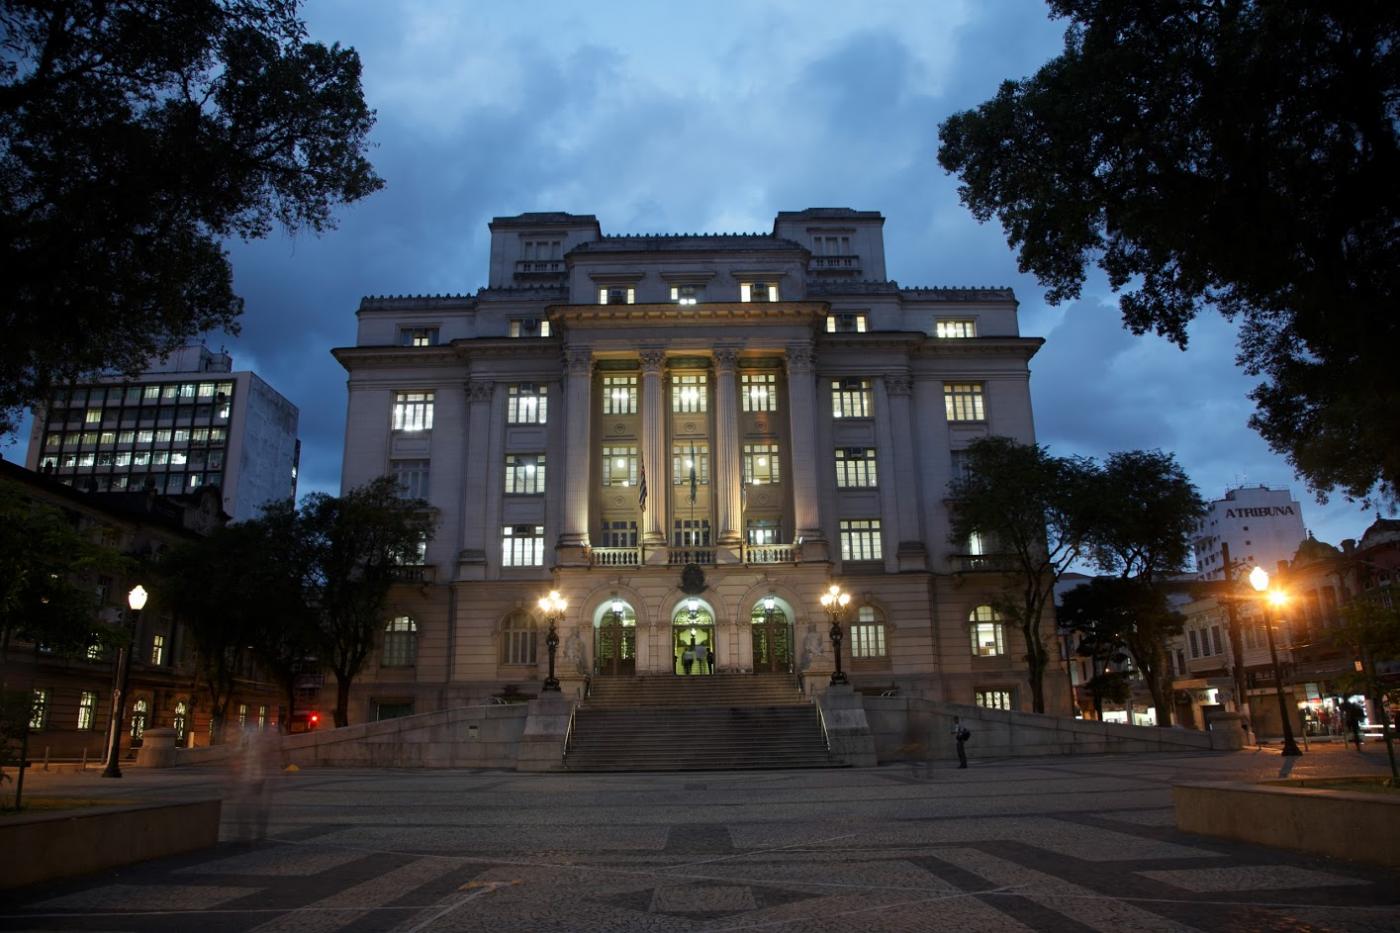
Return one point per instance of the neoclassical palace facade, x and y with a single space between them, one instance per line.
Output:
690 437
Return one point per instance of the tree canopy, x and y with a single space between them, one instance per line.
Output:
135 136
1237 155
1145 511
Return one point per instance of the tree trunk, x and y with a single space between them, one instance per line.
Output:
342 700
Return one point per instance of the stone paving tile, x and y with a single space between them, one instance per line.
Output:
1249 878
345 907
127 897
1165 816
280 861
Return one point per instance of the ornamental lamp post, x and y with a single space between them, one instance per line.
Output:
135 601
553 607
834 601
1273 599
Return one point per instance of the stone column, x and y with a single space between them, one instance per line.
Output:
802 409
578 455
724 465
653 451
911 552
471 563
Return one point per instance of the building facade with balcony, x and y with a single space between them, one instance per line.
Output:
189 421
690 437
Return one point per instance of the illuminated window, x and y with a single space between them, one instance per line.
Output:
868 634
988 634
619 395
850 398
690 532
855 467
622 533
684 456
38 709
529 327
846 322
522 546
860 539
418 337
962 401
686 294
413 411
617 295
87 710
400 643
761 531
758 291
242 715
620 466
524 474
527 403
688 393
139 711
93 416
994 699
180 722
956 328
157 650
520 639
412 476
759 391
760 464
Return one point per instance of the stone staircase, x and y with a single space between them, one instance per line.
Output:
720 722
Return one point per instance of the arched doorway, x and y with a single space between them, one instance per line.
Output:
772 637
693 639
615 651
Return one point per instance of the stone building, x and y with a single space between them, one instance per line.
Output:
690 437
1258 525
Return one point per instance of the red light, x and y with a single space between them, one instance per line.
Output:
315 717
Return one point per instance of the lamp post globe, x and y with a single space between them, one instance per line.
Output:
553 607
834 601
1273 600
135 602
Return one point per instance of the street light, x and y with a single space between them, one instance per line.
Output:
553 607
1273 599
834 601
135 601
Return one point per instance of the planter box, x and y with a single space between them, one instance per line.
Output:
48 846
1353 825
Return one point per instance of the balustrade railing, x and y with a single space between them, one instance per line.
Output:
769 553
539 267
679 556
415 573
616 556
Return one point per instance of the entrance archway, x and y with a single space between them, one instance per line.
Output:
615 647
772 637
693 639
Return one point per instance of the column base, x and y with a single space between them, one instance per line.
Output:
729 553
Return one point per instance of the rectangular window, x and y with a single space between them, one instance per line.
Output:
831 245
413 411
1180 662
619 534
262 717
762 531
527 403
619 395
961 463
846 322
617 295
855 467
542 250
529 327
418 337
684 456
758 291
994 699
620 466
691 532
157 650
867 634
1215 639
860 539
988 639
38 709
524 474
93 416
522 546
963 401
686 294
1195 643
759 391
412 476
150 393
87 710
850 398
761 464
688 393
956 329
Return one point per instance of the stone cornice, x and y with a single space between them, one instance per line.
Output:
1023 347
715 312
442 355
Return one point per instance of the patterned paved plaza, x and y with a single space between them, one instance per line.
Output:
1066 844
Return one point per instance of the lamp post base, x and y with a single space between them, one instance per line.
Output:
839 677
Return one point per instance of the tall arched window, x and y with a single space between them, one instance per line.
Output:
400 643
988 636
868 634
519 639
140 710
181 721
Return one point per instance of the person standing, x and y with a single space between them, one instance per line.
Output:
688 657
702 654
1353 721
961 734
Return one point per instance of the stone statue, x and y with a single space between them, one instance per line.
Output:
812 646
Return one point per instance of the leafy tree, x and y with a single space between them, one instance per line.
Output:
1240 156
135 135
286 638
1146 510
1132 615
356 542
1035 511
48 570
1371 629
1100 643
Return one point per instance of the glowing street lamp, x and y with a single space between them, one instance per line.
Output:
553 607
1273 601
834 601
135 601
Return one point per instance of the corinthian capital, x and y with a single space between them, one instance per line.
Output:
725 358
801 359
899 383
480 390
652 360
578 361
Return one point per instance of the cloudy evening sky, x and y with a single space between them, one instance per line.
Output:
664 117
